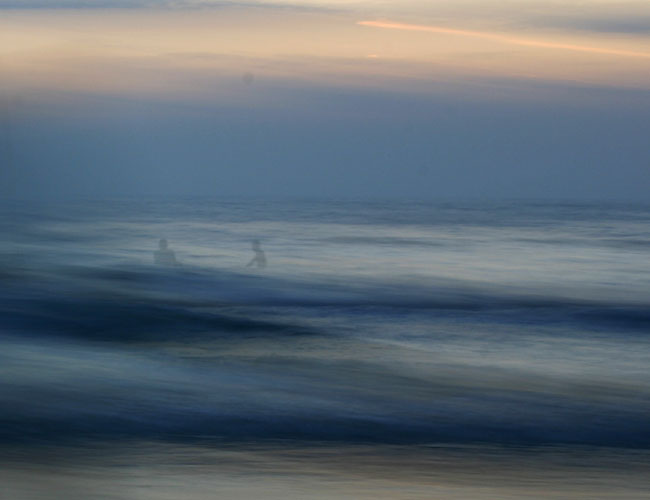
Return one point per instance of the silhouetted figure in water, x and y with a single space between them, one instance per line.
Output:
259 259
164 256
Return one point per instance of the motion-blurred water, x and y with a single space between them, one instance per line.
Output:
398 349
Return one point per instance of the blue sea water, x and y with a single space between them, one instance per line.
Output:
420 339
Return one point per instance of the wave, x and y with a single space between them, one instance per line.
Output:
139 304
121 320
60 390
585 429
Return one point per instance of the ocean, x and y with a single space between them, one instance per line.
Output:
397 350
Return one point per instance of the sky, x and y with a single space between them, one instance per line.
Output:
416 99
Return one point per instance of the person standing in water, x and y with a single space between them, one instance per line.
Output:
164 256
259 259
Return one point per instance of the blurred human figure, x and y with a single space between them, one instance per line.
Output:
259 259
164 256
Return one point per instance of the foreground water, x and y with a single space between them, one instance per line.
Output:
388 350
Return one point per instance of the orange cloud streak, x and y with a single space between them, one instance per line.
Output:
503 38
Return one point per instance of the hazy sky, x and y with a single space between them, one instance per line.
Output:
433 99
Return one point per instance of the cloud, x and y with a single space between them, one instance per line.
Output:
78 4
637 25
631 17
529 42
171 5
118 4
